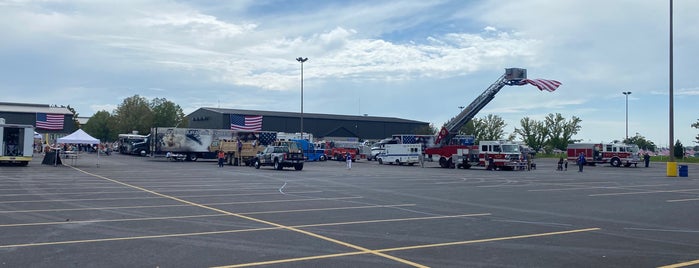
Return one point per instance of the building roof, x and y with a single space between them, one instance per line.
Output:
32 108
313 115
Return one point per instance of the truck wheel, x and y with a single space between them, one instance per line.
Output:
277 166
322 158
257 164
380 161
192 157
398 162
235 162
443 162
298 166
616 162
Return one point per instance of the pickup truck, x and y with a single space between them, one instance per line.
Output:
279 157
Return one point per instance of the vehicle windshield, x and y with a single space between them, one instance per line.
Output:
281 149
510 148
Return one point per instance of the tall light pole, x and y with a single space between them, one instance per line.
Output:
627 93
301 60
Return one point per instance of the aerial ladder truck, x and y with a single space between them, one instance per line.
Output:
446 146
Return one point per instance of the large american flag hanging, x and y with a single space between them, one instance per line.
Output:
49 121
246 122
542 84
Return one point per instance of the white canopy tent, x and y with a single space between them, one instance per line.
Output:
80 137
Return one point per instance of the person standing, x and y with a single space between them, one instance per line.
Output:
221 158
348 157
581 162
646 159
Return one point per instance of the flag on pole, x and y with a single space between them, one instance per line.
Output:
542 84
49 121
246 122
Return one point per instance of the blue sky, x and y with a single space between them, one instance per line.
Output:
418 60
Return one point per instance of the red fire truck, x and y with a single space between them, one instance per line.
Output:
337 150
505 155
616 154
447 144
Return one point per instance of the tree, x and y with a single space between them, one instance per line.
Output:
490 127
99 126
560 131
696 125
75 116
679 150
533 133
166 113
641 142
134 114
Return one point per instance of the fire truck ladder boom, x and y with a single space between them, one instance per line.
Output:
512 76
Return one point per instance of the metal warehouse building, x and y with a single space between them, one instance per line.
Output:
320 125
52 120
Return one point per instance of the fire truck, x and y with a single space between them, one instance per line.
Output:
616 154
504 155
447 145
337 150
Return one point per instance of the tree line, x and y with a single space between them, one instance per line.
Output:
135 114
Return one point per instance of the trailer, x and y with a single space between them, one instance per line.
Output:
193 143
17 143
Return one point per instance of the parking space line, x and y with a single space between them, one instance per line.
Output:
181 205
409 248
200 216
683 264
647 192
682 200
629 187
289 228
146 197
238 231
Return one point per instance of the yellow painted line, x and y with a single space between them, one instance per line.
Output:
145 197
684 264
181 205
488 240
407 248
332 240
647 192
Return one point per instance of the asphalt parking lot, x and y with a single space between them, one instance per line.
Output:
147 212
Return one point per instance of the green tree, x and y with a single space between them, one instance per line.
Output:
99 126
533 133
490 127
679 150
560 131
641 142
134 114
166 113
75 116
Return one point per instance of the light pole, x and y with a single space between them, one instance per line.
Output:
627 93
301 60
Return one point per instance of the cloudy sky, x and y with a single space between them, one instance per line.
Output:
417 59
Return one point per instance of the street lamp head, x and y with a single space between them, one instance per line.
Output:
626 92
301 59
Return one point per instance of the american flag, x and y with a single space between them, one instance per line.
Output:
49 121
246 122
409 139
543 84
266 138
